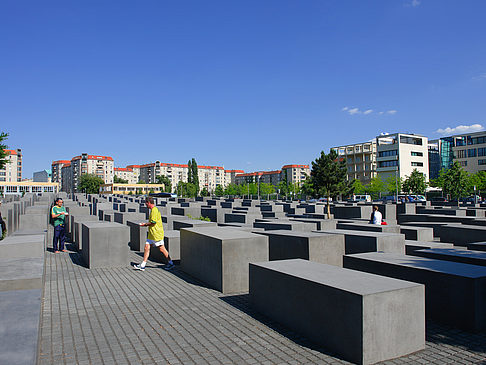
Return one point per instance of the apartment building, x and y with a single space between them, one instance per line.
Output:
360 160
127 173
295 174
399 154
56 171
42 176
71 171
230 176
468 149
12 171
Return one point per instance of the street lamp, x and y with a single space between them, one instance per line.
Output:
396 184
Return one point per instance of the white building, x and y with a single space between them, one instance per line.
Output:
360 160
399 154
12 171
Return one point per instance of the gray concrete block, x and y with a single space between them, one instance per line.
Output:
362 211
417 233
461 235
363 226
20 311
122 218
318 247
362 241
23 246
138 235
364 318
34 221
219 256
455 293
105 244
21 273
77 231
476 246
285 225
434 225
454 254
190 223
172 242
411 245
321 224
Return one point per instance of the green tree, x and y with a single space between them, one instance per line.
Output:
189 171
308 188
3 154
162 179
141 182
231 189
204 192
455 181
376 187
119 180
329 176
219 191
283 187
266 189
90 184
195 175
391 183
358 187
415 183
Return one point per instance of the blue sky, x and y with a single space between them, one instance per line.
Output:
249 85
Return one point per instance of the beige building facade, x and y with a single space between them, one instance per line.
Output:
12 171
24 187
360 160
295 174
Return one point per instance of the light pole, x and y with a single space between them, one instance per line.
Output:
396 185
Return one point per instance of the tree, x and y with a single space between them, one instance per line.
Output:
195 175
329 176
454 181
162 179
308 188
283 187
375 187
189 171
3 154
219 191
358 187
231 189
90 184
266 189
392 183
119 180
415 183
141 182
204 192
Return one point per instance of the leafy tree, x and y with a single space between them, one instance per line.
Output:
195 175
358 187
477 180
90 184
141 182
375 187
454 181
231 189
3 154
219 191
266 189
415 183
186 189
329 176
391 184
283 187
204 192
189 171
162 179
119 180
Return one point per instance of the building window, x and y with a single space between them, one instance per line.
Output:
417 154
471 152
419 164
461 154
387 163
481 162
481 151
388 153
460 141
463 163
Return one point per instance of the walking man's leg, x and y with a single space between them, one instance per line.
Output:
163 250
62 238
146 254
55 239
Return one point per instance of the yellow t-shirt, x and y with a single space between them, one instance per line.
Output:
155 232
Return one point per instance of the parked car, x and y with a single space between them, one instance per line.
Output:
439 199
360 198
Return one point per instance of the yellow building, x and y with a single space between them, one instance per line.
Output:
131 188
17 188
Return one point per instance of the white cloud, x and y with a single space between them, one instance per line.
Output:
345 108
391 112
461 129
354 111
413 3
381 113
480 77
369 111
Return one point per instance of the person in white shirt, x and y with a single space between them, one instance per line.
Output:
376 216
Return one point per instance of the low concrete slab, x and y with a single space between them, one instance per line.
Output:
461 235
364 318
23 246
454 254
454 292
362 226
21 273
417 233
411 245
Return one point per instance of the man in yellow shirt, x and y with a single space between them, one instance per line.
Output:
155 236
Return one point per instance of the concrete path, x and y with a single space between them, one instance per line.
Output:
123 316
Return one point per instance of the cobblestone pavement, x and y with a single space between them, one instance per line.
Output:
123 316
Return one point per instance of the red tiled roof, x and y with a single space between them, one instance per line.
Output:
295 167
93 157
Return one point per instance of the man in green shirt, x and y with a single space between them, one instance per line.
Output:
155 236
58 215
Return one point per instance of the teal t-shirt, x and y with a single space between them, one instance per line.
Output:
61 219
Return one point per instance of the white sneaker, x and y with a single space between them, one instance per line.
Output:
139 267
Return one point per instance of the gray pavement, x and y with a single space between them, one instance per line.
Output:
123 316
